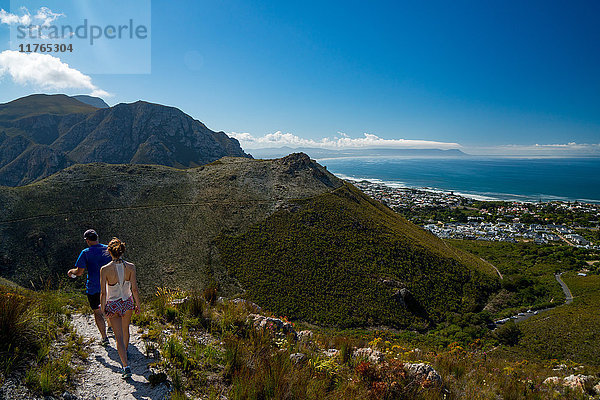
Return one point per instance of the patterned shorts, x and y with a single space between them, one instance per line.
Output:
119 307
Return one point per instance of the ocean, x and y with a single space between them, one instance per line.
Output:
514 179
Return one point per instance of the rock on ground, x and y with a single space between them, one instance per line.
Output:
305 336
580 382
298 358
276 325
552 380
424 374
13 389
330 353
374 356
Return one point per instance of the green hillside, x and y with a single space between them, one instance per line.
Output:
570 331
341 259
528 270
285 233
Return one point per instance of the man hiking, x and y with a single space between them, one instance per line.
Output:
92 259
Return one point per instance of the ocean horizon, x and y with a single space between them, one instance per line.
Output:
483 178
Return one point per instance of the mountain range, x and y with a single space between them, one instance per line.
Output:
43 134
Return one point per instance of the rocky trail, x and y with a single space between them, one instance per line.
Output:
101 374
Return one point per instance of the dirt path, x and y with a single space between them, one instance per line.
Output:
493 266
565 288
101 377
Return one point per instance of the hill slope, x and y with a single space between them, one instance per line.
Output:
286 232
341 258
42 134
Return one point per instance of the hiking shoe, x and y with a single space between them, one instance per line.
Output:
126 372
104 342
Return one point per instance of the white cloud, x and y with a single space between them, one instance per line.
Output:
13 19
279 139
42 17
542 150
45 71
45 16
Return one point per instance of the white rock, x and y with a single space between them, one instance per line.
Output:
372 355
276 325
552 380
559 367
305 335
331 352
298 358
581 382
424 374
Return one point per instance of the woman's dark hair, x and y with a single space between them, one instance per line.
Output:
116 248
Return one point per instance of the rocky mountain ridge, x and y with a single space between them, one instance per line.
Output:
41 134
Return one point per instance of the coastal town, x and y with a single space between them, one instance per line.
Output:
472 219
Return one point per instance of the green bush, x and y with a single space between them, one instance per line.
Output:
509 333
174 350
21 329
569 331
171 314
210 295
528 270
52 377
195 304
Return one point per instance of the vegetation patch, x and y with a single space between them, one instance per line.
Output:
242 361
570 331
37 340
528 270
342 259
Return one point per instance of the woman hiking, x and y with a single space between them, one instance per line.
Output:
119 297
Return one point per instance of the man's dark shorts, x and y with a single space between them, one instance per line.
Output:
94 300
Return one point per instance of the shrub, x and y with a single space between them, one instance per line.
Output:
345 352
174 350
163 299
509 333
178 383
142 319
195 304
233 319
327 262
212 354
210 295
171 314
20 329
51 377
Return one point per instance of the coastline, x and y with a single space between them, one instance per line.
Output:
401 185
484 196
483 180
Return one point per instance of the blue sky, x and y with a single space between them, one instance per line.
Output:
488 76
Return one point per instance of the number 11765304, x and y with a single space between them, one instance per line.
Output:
45 48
